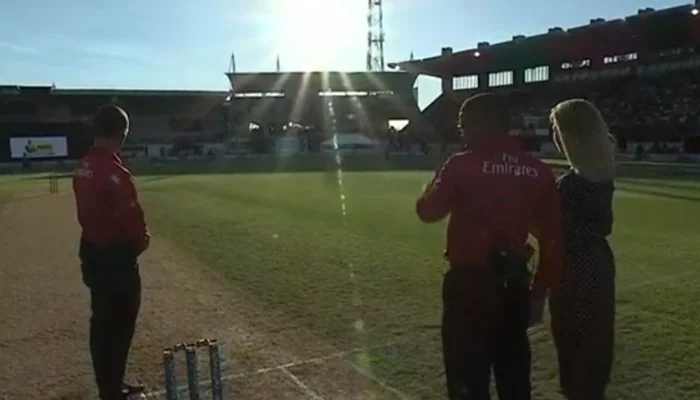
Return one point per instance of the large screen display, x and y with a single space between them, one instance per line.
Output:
38 147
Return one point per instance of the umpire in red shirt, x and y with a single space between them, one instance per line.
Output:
495 194
114 234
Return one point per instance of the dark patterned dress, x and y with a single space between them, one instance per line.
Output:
583 308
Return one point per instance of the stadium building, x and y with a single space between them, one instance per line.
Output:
58 119
642 71
259 109
320 104
362 101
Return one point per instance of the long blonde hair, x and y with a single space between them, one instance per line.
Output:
581 134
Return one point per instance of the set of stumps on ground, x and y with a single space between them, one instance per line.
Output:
172 390
53 183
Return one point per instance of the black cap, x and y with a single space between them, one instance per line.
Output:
110 121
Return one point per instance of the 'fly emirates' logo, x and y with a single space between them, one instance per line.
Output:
508 165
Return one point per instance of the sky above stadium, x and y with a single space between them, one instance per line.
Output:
186 44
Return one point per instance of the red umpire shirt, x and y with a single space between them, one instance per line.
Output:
108 208
497 193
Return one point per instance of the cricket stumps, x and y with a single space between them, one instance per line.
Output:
172 390
53 183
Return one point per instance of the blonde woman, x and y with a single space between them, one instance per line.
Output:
583 307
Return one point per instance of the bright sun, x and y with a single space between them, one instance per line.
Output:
318 34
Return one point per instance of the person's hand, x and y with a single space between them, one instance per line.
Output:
536 310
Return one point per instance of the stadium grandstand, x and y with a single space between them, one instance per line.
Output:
62 117
643 71
259 110
316 105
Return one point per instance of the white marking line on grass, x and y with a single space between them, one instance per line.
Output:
401 395
280 367
301 385
341 354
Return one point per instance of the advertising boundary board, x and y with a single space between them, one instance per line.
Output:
38 147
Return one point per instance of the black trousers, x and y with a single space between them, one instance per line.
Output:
115 297
484 326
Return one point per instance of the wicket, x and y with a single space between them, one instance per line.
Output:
53 183
171 388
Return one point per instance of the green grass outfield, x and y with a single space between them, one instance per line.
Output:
14 184
283 239
373 275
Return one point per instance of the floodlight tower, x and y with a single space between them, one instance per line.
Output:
232 64
375 36
230 104
232 70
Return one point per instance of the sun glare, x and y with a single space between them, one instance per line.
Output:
318 34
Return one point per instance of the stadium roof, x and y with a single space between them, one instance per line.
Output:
138 93
19 89
292 82
52 90
648 28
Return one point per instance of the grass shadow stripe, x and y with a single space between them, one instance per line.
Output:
656 281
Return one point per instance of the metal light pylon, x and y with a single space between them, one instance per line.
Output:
375 36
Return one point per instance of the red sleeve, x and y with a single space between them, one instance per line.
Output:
436 201
127 205
549 233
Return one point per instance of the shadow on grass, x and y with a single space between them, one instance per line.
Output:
45 177
422 167
369 163
354 163
19 199
291 165
154 178
657 193
662 184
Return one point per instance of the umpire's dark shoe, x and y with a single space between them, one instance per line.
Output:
132 389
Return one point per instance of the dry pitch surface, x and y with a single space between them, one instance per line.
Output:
45 307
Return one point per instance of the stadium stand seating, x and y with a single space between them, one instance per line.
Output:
647 107
147 128
642 71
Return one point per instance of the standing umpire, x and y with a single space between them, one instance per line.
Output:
114 234
495 194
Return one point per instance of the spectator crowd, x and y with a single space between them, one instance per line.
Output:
647 107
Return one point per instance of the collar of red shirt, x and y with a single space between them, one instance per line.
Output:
103 152
497 143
